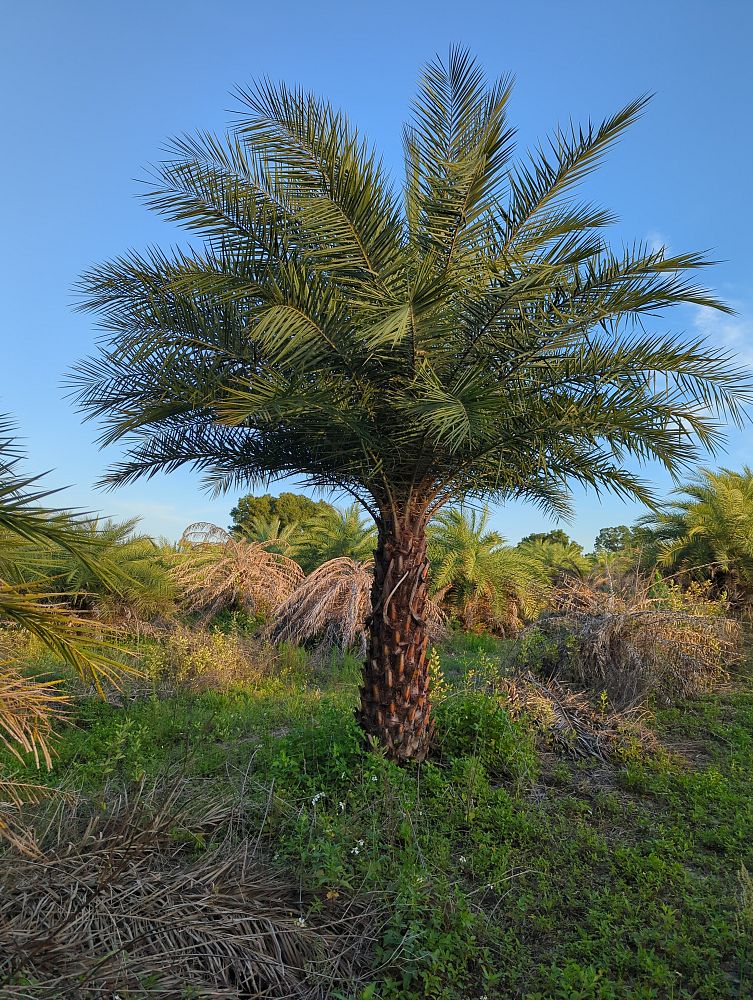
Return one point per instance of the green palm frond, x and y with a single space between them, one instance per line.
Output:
476 337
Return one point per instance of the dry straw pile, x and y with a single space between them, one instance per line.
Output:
107 904
630 646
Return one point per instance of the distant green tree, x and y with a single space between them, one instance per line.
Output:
615 539
556 535
288 508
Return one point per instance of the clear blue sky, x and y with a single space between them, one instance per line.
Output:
92 90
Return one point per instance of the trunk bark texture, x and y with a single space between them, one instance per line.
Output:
395 705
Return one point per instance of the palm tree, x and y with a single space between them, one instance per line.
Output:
144 587
285 539
557 558
477 577
31 602
708 531
335 534
214 571
469 335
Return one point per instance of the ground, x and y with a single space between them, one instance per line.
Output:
497 868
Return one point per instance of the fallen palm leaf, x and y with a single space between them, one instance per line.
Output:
118 901
215 571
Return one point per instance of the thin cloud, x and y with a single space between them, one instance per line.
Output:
733 332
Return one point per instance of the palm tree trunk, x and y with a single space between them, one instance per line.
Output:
395 705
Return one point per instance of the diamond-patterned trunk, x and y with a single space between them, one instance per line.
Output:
395 705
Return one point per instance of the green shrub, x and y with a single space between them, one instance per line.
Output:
543 652
196 659
474 724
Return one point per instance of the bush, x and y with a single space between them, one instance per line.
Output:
474 724
632 645
200 660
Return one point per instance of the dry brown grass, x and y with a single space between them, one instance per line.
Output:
115 902
215 571
332 606
631 647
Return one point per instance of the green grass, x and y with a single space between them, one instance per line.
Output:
501 871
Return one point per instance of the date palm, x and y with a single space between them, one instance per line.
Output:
467 334
32 538
708 531
477 577
334 534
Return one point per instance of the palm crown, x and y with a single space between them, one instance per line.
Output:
470 334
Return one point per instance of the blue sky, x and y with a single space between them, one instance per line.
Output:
92 90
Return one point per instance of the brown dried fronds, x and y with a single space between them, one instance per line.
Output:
568 721
632 648
215 571
332 605
119 900
28 709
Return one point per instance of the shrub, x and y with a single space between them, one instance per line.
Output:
632 647
472 723
200 660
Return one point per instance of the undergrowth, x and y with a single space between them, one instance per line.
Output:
499 868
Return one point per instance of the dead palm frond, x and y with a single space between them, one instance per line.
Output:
633 648
333 605
116 900
28 708
215 571
567 720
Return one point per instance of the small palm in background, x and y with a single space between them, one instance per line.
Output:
557 558
708 530
335 534
477 577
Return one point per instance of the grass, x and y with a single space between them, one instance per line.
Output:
499 869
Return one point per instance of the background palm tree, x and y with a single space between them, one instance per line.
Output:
556 558
283 538
471 334
338 533
708 531
478 578
138 584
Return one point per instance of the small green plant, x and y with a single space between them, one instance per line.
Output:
744 924
474 724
